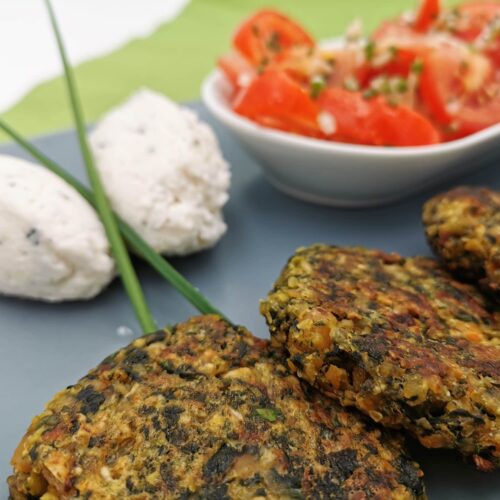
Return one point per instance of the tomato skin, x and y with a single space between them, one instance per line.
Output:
350 111
439 79
235 67
374 122
402 126
493 52
443 81
275 100
472 119
265 34
476 114
428 12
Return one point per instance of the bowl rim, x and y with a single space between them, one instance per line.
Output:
211 90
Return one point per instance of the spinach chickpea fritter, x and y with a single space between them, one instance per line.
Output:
399 339
463 229
205 410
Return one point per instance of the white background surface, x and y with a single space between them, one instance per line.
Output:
91 28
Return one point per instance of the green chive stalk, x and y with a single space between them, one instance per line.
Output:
135 241
119 250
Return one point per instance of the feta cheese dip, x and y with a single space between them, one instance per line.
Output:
52 244
164 173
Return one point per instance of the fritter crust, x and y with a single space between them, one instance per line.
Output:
463 229
397 338
203 411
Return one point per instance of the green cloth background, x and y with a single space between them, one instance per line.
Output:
177 56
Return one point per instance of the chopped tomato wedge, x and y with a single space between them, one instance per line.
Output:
237 69
440 84
476 116
350 113
374 122
461 94
266 34
473 18
275 100
401 126
451 80
479 23
428 12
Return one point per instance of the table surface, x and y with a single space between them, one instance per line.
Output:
44 348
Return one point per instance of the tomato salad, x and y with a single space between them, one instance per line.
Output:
424 78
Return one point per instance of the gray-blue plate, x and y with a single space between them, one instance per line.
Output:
44 348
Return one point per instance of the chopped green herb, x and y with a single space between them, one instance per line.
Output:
262 66
393 51
318 84
385 88
351 83
168 366
464 316
269 414
370 93
381 85
294 494
274 43
392 101
50 421
401 86
370 50
464 66
417 67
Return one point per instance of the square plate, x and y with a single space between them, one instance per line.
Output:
44 348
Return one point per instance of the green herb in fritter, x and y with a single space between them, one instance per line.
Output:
269 414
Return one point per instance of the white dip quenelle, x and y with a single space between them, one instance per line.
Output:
52 243
163 172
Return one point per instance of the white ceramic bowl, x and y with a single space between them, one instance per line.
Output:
343 174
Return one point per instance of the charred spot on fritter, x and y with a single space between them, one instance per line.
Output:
210 413
90 399
398 338
344 463
136 356
171 415
409 474
220 462
463 229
